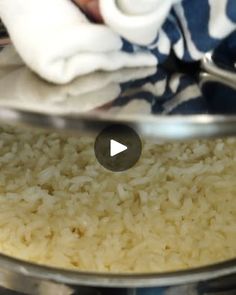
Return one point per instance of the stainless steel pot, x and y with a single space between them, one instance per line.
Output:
29 278
219 279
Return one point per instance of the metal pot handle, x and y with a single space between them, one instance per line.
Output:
222 74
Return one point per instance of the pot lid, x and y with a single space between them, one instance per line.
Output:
173 102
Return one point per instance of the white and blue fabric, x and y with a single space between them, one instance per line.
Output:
57 41
139 91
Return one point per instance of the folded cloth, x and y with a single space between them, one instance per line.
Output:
137 21
84 94
59 43
189 27
139 91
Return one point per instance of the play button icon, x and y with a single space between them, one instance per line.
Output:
118 148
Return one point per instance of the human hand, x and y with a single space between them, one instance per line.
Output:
91 8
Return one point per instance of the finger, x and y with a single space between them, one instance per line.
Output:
91 8
4 41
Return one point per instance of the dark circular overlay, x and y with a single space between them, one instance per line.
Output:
123 135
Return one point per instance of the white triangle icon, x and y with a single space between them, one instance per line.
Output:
116 148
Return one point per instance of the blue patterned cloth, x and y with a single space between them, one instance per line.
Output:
178 92
193 28
189 32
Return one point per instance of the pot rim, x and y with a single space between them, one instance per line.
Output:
95 279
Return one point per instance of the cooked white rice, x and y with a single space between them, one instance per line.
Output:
176 209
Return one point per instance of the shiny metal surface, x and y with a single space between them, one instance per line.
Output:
164 128
210 78
33 279
27 100
223 75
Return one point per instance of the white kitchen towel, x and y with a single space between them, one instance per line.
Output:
139 91
139 21
56 40
59 43
189 28
84 94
